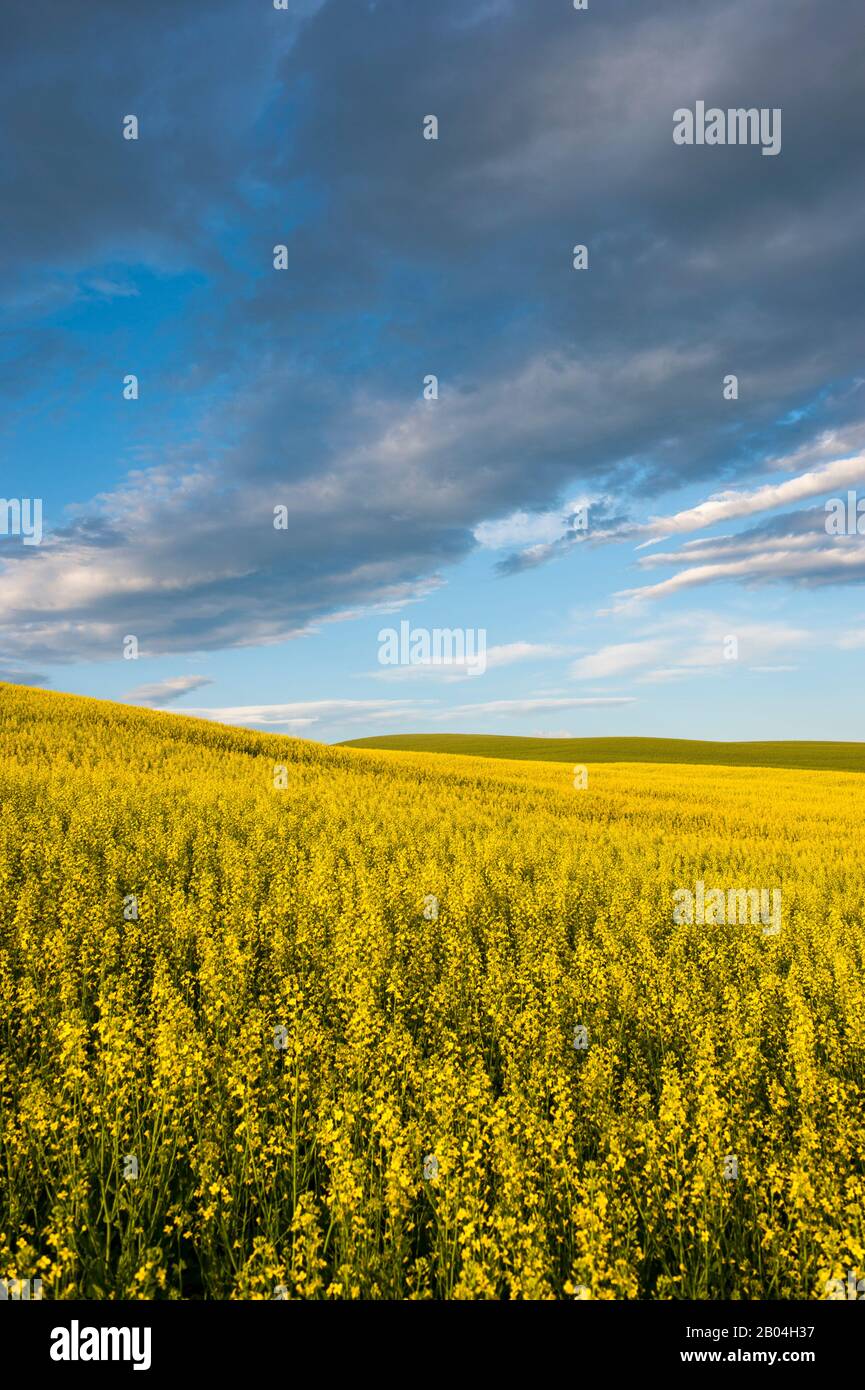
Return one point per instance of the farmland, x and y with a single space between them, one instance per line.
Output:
288 1020
809 755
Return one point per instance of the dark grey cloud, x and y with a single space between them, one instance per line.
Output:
196 75
409 257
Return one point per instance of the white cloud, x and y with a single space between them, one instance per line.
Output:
303 713
527 528
532 706
505 654
695 644
727 548
614 660
820 564
725 506
163 692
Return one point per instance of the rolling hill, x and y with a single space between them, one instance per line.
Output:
282 1020
811 755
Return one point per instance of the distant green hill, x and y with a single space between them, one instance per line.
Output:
818 756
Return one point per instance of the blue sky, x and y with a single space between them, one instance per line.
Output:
559 388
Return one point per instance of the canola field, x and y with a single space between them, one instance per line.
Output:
288 1021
